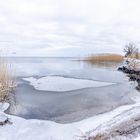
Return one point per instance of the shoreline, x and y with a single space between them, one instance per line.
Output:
134 75
82 130
125 126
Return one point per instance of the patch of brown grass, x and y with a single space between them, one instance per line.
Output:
7 80
99 137
137 56
106 58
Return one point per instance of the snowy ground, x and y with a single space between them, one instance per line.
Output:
61 84
22 129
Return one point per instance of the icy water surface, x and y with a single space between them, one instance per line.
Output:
71 106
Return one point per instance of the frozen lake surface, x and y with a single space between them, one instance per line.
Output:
69 105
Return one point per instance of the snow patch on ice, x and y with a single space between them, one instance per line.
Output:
61 84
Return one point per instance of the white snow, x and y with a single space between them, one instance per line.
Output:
3 106
138 138
3 118
61 84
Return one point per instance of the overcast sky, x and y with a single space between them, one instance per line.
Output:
67 27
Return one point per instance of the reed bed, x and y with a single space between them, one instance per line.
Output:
7 80
106 58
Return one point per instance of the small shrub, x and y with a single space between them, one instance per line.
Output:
133 64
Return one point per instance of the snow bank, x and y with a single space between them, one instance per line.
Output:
4 106
22 129
61 84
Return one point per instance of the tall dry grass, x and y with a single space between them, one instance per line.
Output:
106 58
136 56
7 80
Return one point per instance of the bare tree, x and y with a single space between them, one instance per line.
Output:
130 49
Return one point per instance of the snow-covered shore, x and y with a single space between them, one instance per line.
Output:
22 129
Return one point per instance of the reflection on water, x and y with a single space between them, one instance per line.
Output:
111 65
73 105
68 67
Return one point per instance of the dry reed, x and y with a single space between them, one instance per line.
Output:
106 58
7 80
135 56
